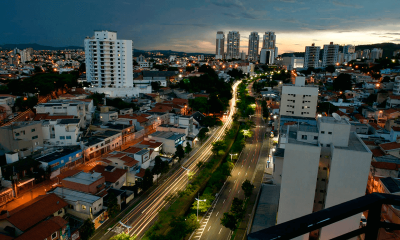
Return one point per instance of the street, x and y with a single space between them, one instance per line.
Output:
210 226
145 213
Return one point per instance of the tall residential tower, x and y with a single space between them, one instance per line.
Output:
219 46
108 61
311 57
233 45
254 40
331 53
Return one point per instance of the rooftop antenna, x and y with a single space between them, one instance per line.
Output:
336 116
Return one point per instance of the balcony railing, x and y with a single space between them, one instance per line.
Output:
306 224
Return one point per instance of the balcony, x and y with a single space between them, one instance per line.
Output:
372 203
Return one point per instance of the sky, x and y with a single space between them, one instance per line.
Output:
191 25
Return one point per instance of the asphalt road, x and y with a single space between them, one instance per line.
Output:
145 213
210 226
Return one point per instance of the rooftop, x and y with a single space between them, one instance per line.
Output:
34 211
44 229
111 173
84 178
355 144
57 154
75 196
167 135
393 185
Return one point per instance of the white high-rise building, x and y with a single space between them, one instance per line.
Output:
331 53
376 53
108 61
219 51
269 40
267 56
254 40
299 100
233 45
311 57
349 49
317 167
25 56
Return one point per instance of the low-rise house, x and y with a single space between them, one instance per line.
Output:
124 161
170 140
391 148
7 99
22 137
58 158
101 142
393 101
140 155
75 108
61 132
108 116
55 228
26 216
114 177
93 183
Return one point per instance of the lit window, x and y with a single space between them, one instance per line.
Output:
83 207
54 235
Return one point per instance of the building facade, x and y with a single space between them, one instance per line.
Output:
331 54
254 40
233 45
219 45
108 62
311 57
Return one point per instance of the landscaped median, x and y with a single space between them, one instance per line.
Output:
178 220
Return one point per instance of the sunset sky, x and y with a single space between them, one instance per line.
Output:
191 26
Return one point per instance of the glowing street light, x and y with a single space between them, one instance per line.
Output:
232 154
199 200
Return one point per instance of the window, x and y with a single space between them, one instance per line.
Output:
70 206
330 133
328 145
322 132
54 235
17 134
323 179
68 137
23 132
60 211
304 137
315 137
62 137
117 183
35 137
33 130
324 168
83 207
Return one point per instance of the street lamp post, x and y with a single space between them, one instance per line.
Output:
199 200
232 154
188 170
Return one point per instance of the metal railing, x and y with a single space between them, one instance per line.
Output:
306 224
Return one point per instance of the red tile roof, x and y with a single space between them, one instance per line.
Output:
118 155
359 116
391 110
180 101
368 142
5 237
377 152
132 150
141 173
394 97
35 211
140 118
396 129
152 143
67 96
201 95
374 125
113 176
44 229
385 165
161 108
390 146
130 162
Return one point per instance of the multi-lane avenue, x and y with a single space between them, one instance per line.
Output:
145 213
210 225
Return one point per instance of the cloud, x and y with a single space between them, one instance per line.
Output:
231 15
393 33
341 4
278 9
288 1
228 4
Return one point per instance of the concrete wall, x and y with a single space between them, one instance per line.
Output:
347 180
302 101
300 169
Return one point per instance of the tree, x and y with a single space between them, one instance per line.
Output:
123 236
203 205
87 229
343 82
326 107
112 206
188 148
199 104
155 86
247 133
147 179
229 221
180 153
189 69
330 68
218 146
158 165
237 208
247 188
202 133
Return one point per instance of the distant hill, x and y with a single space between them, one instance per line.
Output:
136 52
36 46
388 49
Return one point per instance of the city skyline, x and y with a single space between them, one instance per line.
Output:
156 25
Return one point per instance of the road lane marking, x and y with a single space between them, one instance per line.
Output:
217 214
246 174
238 173
220 231
224 201
208 229
234 181
230 190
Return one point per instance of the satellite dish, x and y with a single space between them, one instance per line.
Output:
336 116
